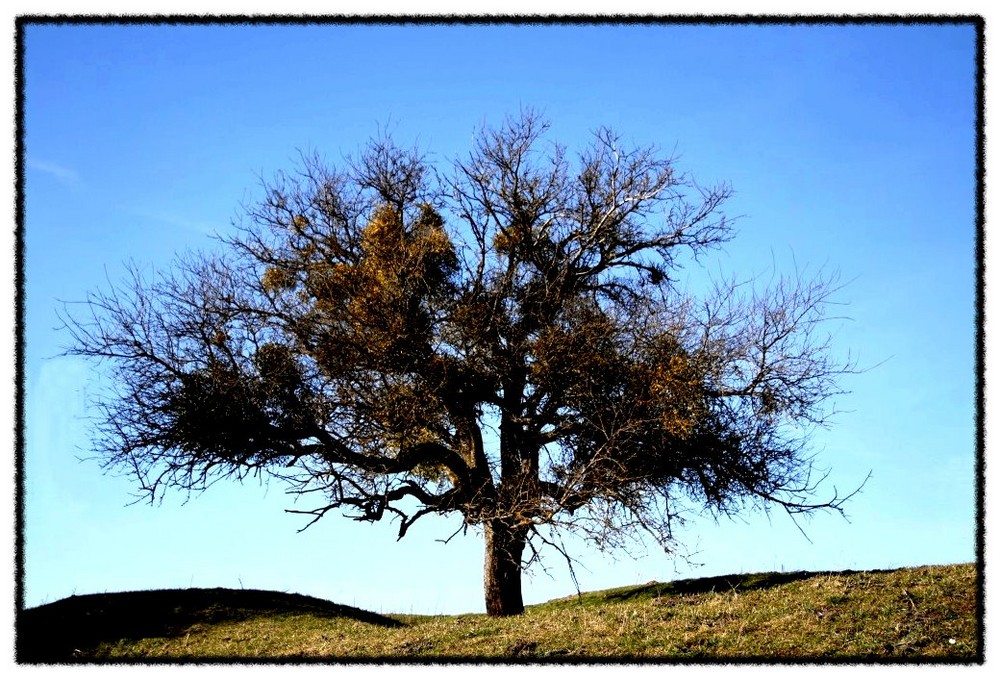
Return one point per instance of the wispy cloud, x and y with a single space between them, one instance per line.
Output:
66 176
176 221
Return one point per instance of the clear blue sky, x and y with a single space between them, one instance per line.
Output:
850 148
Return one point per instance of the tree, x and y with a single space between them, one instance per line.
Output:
368 329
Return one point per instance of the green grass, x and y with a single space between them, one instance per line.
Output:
923 613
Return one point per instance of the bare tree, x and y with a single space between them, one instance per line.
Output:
368 324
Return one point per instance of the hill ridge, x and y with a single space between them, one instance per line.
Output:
849 614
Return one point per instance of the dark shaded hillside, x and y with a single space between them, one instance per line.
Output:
54 632
696 586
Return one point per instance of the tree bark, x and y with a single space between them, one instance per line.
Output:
502 571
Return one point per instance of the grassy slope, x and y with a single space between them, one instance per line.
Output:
906 614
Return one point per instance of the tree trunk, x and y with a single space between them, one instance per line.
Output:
502 571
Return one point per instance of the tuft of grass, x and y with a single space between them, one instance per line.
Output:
924 613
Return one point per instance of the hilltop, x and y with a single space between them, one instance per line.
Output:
916 613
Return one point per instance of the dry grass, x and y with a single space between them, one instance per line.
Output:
908 614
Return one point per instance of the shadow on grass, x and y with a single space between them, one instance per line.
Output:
712 584
693 586
58 632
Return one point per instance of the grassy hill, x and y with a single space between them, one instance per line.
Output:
923 613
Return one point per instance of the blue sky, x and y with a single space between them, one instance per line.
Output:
850 148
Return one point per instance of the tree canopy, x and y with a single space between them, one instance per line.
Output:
504 339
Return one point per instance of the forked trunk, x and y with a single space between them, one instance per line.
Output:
502 571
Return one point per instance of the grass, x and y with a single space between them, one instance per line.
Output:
923 613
